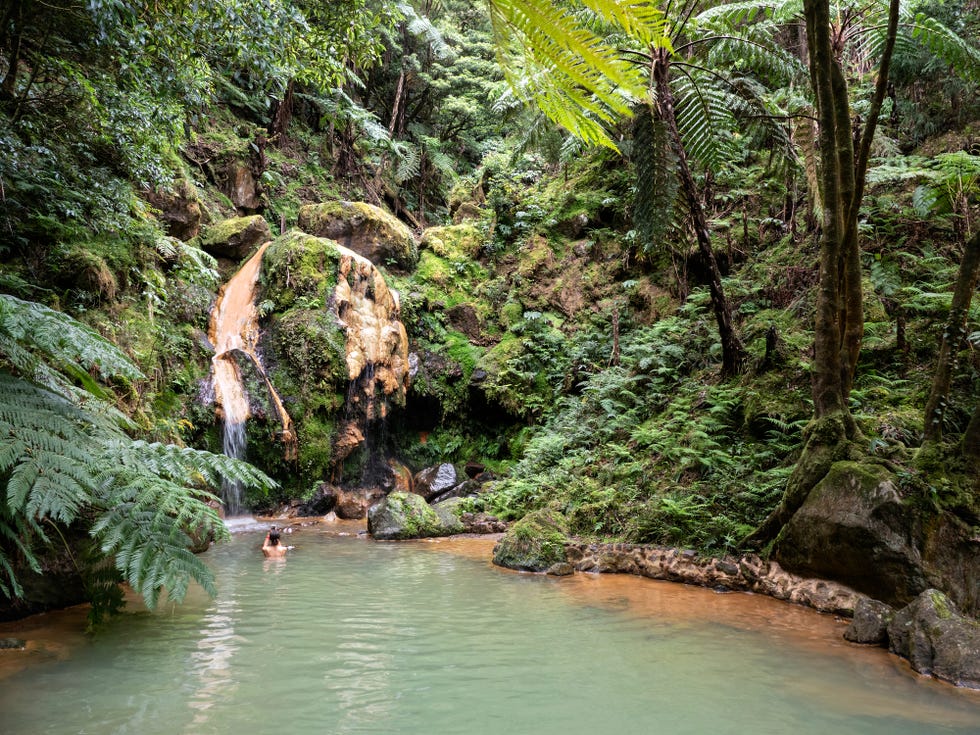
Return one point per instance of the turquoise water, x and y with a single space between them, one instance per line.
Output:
352 636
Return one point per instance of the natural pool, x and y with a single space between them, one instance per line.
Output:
348 635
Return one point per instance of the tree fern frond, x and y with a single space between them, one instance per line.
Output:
409 160
421 25
64 452
731 15
704 120
642 21
656 181
961 55
61 339
574 78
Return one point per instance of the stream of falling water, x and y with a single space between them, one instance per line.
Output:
233 331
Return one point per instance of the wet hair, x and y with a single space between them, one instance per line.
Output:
274 537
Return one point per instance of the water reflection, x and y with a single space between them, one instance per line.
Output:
353 636
212 661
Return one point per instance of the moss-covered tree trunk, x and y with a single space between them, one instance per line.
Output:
971 445
839 318
954 336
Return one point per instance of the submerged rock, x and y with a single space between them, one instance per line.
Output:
937 640
367 230
870 623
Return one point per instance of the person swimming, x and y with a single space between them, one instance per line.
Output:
272 547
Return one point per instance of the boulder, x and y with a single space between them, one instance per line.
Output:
449 516
433 481
535 543
465 489
403 516
854 528
240 187
354 504
399 479
235 238
464 319
454 243
180 209
937 640
323 501
367 230
870 622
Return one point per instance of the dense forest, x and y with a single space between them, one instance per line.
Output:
698 274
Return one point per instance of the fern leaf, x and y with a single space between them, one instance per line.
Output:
656 181
962 56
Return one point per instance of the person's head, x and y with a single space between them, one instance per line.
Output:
274 537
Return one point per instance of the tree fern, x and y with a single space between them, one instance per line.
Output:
575 79
656 175
958 53
65 455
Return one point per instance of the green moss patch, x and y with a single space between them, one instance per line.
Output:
534 543
299 270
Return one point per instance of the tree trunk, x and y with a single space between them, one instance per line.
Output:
839 319
952 341
970 446
827 373
283 114
732 350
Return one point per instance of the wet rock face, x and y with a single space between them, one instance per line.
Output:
376 341
404 516
433 481
240 187
180 210
854 528
938 640
235 238
870 623
367 230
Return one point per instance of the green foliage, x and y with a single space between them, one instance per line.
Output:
66 458
570 73
526 369
656 190
645 451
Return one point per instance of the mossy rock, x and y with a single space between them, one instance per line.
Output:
235 238
534 543
367 230
312 344
855 528
404 516
449 512
455 242
434 269
299 270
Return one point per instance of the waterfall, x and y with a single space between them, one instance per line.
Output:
234 332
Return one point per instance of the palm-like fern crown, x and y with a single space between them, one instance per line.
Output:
575 78
65 453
